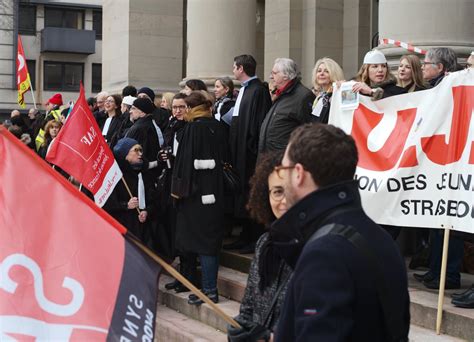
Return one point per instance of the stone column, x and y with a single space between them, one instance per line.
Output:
217 31
426 24
322 34
142 44
283 31
358 31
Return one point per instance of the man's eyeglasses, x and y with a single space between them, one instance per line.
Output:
277 169
178 107
277 193
427 63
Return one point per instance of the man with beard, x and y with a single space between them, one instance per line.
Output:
349 281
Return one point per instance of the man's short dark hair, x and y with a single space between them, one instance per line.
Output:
179 96
325 151
129 91
248 63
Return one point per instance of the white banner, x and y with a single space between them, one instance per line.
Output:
416 154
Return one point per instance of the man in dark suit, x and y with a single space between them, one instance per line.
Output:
339 291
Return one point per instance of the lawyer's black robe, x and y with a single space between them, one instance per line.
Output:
197 183
244 136
117 203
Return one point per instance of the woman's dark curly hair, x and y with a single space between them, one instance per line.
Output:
259 203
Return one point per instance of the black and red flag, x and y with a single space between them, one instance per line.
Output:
66 270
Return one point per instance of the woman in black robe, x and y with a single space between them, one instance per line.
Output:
197 186
134 212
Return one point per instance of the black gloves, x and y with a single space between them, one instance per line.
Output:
250 332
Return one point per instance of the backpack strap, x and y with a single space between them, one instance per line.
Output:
392 319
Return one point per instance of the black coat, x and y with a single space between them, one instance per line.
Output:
144 132
243 138
114 127
117 203
332 295
290 110
161 117
197 184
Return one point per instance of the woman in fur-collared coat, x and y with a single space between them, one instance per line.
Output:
197 186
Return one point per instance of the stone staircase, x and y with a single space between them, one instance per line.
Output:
178 321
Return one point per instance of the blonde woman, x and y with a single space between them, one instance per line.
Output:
410 75
325 72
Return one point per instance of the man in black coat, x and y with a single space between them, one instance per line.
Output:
250 108
292 106
334 294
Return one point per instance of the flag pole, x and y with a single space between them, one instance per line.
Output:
442 281
170 269
32 91
129 192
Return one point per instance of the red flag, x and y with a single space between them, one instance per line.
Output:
65 273
23 77
81 150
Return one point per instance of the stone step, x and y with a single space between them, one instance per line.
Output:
231 283
419 334
174 326
236 261
202 313
457 322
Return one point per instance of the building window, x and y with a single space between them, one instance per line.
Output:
27 19
63 17
96 77
31 65
60 76
97 24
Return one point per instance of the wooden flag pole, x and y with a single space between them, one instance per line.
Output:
129 192
170 269
442 280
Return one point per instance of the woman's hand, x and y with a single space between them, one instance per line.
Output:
362 88
132 203
143 215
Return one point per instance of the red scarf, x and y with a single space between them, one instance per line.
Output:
278 92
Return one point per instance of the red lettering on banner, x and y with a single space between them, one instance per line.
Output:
435 147
364 121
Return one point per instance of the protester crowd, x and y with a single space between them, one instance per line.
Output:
199 163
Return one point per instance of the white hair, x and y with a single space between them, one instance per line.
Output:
287 67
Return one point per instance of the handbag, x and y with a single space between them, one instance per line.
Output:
231 179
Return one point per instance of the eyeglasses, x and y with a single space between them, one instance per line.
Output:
277 193
178 107
109 101
428 63
277 169
137 149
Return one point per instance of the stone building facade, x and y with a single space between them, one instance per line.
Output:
160 43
